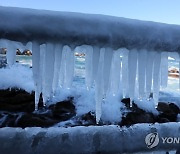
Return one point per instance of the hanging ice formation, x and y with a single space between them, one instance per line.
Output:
123 57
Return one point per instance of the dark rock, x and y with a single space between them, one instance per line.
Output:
126 102
16 100
175 109
164 107
168 111
162 120
34 120
7 119
89 119
135 117
171 117
136 109
63 110
40 104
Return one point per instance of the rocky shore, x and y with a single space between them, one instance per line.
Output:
17 110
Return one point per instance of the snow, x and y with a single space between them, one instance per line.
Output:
147 105
17 76
78 29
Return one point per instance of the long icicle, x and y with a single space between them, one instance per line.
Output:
99 85
132 66
57 64
35 69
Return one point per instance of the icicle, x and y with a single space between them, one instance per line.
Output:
57 65
96 55
69 67
149 72
142 59
132 66
115 73
107 66
88 66
48 72
125 87
11 53
99 84
42 68
35 69
164 69
156 77
62 67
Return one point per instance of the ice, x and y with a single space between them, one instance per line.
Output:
156 76
164 69
106 68
142 59
115 73
78 29
149 72
96 55
42 69
57 64
69 67
62 67
48 72
123 56
36 69
82 139
132 66
89 66
125 85
11 50
99 85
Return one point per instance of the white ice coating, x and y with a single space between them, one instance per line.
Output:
69 67
149 72
132 66
48 72
115 73
142 59
125 85
57 65
36 70
156 76
89 66
164 69
99 85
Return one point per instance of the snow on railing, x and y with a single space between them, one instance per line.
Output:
124 57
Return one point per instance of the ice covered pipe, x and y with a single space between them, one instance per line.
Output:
24 25
140 138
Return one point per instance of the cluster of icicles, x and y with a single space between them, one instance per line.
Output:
126 73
